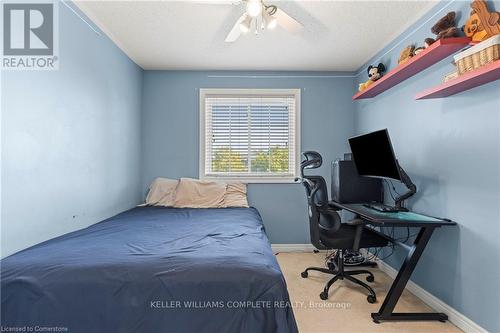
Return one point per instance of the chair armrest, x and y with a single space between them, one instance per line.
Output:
335 217
333 206
360 224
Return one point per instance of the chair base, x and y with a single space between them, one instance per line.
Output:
338 272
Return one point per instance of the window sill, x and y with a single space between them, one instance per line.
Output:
252 180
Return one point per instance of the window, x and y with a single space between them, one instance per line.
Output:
250 135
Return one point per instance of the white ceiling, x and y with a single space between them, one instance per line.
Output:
337 35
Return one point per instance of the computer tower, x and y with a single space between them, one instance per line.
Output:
348 187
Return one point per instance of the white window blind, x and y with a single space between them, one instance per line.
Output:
250 135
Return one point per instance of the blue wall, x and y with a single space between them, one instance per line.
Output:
170 135
70 139
451 149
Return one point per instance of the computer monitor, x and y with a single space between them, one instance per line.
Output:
373 155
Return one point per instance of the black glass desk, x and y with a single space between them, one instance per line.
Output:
427 224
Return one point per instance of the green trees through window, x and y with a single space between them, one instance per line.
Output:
275 160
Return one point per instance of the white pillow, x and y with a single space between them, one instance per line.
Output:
193 193
236 195
162 192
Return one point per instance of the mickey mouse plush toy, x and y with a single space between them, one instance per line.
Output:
374 73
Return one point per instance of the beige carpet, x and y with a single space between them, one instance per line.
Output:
346 309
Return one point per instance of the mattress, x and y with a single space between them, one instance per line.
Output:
151 269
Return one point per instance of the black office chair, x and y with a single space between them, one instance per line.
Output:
328 233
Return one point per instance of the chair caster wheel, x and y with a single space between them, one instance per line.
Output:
371 299
304 274
370 278
323 296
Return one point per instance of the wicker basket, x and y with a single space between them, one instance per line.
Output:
478 55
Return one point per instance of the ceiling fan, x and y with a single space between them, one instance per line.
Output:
260 16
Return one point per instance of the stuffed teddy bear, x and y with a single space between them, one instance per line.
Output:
482 23
406 54
444 28
474 29
374 73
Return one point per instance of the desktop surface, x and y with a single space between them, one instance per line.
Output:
375 217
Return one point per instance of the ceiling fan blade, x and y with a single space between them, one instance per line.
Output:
287 22
235 32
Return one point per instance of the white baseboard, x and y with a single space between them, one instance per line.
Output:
455 317
292 247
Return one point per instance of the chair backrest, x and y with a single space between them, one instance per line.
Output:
320 216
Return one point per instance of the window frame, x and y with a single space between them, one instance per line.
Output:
250 92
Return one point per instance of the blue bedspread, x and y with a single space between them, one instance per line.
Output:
153 270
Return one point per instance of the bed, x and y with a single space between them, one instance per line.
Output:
151 269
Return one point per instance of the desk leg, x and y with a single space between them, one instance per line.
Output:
385 313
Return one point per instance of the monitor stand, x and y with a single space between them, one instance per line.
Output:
412 189
399 201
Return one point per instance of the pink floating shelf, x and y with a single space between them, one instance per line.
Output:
475 78
434 53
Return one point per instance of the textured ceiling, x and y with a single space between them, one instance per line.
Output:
337 35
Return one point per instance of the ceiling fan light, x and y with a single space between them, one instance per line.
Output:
254 8
245 24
